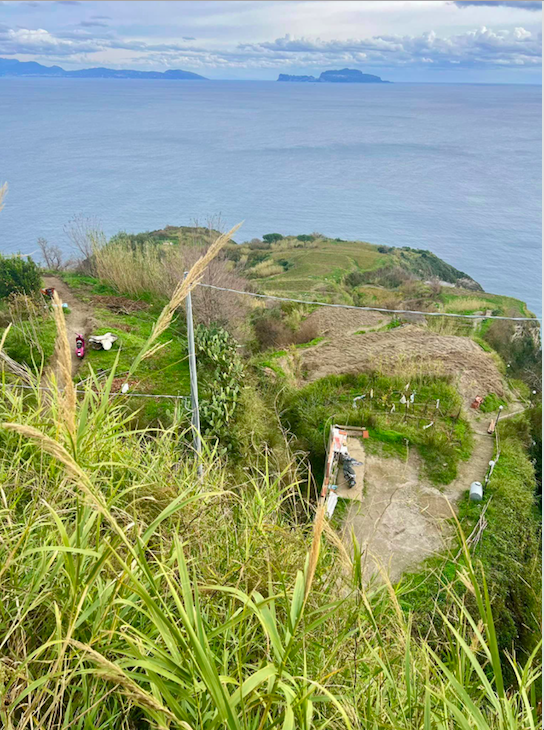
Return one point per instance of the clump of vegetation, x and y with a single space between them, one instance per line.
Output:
279 327
520 347
491 403
310 411
221 373
18 275
31 339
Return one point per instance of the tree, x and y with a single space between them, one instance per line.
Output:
86 237
52 255
272 237
18 275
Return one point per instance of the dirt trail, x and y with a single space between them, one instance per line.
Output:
79 321
402 519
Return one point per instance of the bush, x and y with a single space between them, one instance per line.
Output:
18 275
270 330
491 403
272 237
305 238
354 278
221 371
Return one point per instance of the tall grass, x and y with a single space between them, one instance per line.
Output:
134 595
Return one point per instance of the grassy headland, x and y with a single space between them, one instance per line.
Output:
136 593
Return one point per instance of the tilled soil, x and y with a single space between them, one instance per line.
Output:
335 323
409 350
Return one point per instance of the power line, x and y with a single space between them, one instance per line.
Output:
370 309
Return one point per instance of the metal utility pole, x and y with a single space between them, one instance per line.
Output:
195 414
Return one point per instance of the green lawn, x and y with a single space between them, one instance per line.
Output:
328 262
167 372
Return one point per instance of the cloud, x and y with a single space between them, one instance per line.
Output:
478 48
519 4
42 43
93 24
482 48
100 17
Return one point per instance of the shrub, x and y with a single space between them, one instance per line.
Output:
222 373
305 238
270 330
18 275
520 347
272 237
308 331
354 278
491 403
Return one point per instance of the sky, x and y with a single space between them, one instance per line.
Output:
399 40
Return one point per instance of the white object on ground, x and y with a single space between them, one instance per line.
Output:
124 389
106 341
476 492
331 504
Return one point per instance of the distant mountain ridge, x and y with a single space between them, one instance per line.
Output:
12 67
343 76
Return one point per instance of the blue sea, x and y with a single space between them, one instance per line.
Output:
451 168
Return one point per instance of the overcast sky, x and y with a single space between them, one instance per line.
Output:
438 41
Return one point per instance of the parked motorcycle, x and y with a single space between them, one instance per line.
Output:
80 347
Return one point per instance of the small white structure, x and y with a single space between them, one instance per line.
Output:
476 492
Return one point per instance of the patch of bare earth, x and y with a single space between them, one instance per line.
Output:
333 323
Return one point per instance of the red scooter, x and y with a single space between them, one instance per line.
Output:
80 347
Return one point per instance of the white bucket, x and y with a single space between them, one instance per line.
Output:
476 492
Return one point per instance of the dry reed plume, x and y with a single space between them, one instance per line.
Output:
181 291
63 355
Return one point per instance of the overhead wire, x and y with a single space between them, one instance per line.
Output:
370 309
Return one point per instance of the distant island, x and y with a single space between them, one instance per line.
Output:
344 76
12 67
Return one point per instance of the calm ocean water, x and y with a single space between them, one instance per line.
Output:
453 169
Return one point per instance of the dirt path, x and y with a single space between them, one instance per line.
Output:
402 519
79 321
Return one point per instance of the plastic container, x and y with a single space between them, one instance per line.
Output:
476 492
